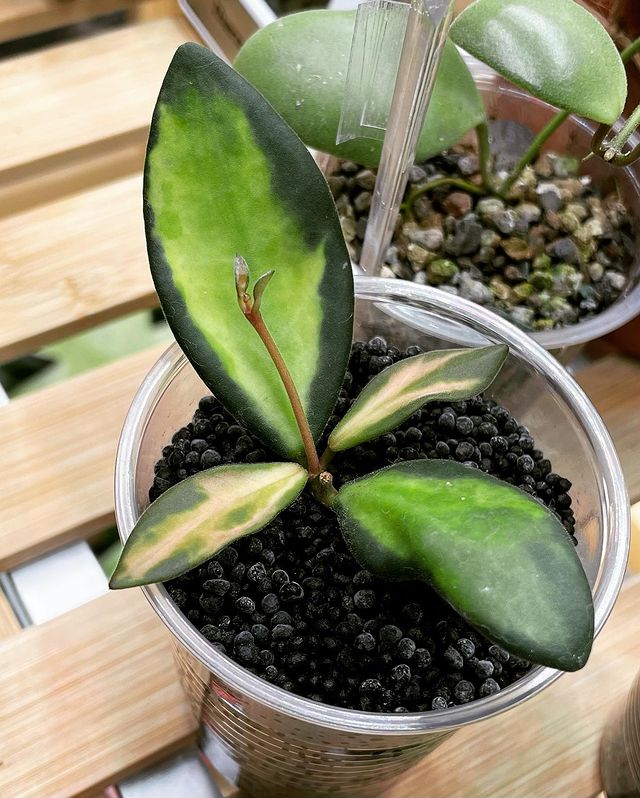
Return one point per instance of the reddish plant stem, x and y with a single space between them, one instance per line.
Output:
313 463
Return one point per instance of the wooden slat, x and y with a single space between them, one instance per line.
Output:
230 23
548 747
155 9
634 554
88 698
84 95
58 448
85 264
73 172
613 385
19 18
8 622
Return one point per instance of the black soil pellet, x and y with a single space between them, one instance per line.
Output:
291 605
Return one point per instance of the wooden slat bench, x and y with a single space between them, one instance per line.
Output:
93 695
89 103
71 275
87 699
58 483
20 18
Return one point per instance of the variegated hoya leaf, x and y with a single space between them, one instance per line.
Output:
196 518
496 554
397 392
224 174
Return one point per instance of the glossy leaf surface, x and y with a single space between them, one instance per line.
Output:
225 175
497 555
397 392
555 49
300 64
196 518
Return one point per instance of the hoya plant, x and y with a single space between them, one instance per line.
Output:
228 185
557 51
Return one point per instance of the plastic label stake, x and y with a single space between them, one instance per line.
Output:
374 60
425 24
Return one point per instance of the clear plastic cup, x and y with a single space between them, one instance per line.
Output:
273 743
504 101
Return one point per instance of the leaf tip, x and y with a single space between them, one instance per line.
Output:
122 577
496 355
119 580
502 352
259 288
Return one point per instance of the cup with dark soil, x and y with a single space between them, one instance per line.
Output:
309 676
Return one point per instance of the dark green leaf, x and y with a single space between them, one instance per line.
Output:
397 392
497 555
225 175
201 515
555 49
300 64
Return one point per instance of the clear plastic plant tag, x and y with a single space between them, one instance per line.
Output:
425 34
373 66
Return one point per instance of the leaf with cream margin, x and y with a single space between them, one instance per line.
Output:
224 174
196 518
497 555
397 392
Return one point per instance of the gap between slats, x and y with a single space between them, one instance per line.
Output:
20 18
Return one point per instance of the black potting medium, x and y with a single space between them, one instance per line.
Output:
291 604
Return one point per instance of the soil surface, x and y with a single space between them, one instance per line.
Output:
553 253
292 605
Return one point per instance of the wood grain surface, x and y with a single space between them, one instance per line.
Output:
88 698
613 385
8 622
87 264
71 172
81 94
634 554
19 18
58 449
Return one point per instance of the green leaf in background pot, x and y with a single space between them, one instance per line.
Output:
300 64
555 49
225 175
496 554
199 516
397 392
